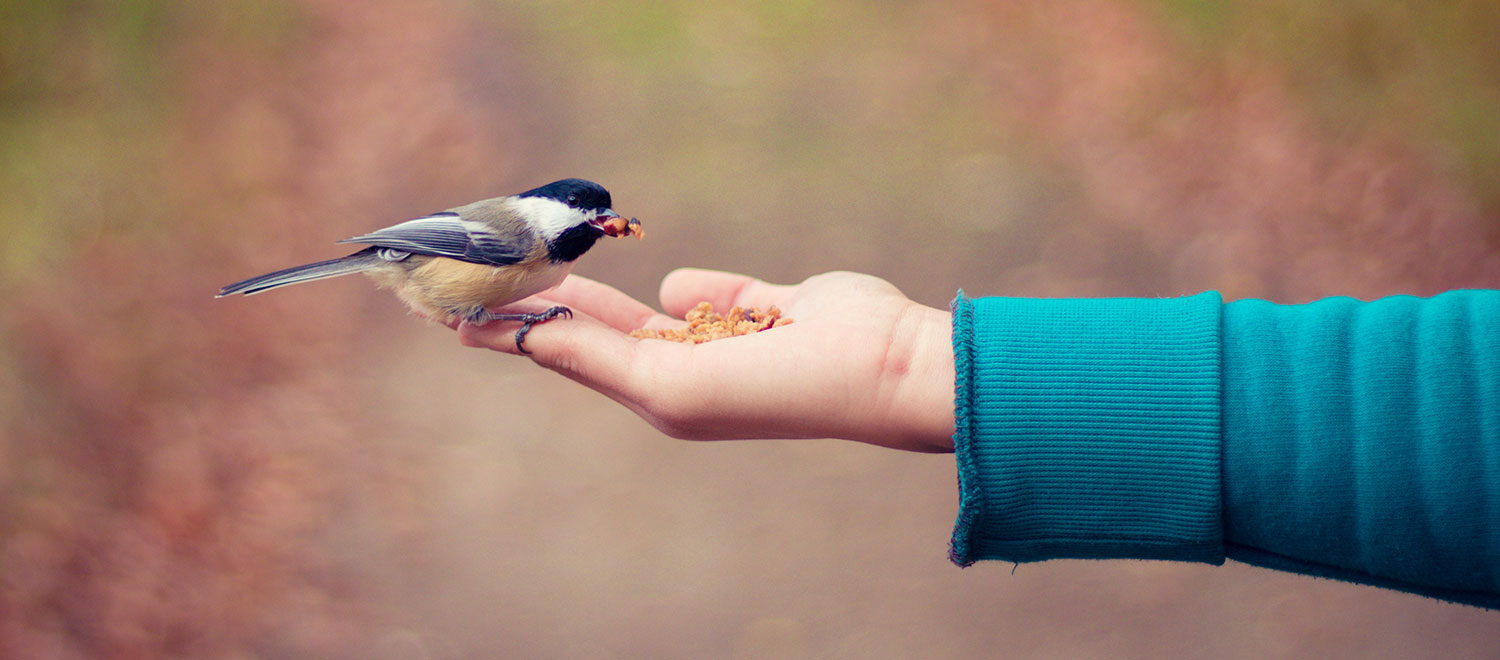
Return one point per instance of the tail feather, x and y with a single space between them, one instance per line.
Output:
362 260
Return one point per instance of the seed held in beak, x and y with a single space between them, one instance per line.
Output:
618 227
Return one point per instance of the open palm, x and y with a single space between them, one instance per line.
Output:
860 362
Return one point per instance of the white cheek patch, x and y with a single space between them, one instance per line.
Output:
550 217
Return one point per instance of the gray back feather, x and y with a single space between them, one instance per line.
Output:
486 232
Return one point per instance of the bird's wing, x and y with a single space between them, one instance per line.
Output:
448 234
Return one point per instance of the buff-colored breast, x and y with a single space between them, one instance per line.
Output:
444 289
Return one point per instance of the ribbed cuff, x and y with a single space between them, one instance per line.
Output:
1087 428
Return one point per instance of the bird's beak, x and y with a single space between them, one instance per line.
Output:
602 219
613 225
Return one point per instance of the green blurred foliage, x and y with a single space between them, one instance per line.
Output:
832 118
79 109
86 97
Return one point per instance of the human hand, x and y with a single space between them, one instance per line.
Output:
860 362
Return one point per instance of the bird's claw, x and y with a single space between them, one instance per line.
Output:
527 320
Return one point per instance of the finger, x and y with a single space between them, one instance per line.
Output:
606 303
581 348
684 288
500 335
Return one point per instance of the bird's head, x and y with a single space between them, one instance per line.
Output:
570 215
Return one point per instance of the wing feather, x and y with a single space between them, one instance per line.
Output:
448 234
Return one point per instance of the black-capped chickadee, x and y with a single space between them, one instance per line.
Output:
459 263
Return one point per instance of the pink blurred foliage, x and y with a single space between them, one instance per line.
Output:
1210 166
183 461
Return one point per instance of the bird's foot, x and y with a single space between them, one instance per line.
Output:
483 316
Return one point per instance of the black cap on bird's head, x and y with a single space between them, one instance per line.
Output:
577 193
578 215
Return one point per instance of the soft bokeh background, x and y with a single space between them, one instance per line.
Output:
314 474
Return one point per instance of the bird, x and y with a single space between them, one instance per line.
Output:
458 264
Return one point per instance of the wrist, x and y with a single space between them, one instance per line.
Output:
919 370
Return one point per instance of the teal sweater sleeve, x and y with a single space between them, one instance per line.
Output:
1344 439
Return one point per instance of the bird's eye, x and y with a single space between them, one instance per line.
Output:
572 199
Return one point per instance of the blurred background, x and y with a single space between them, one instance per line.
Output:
315 474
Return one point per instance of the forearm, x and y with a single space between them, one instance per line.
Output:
1362 441
1352 440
